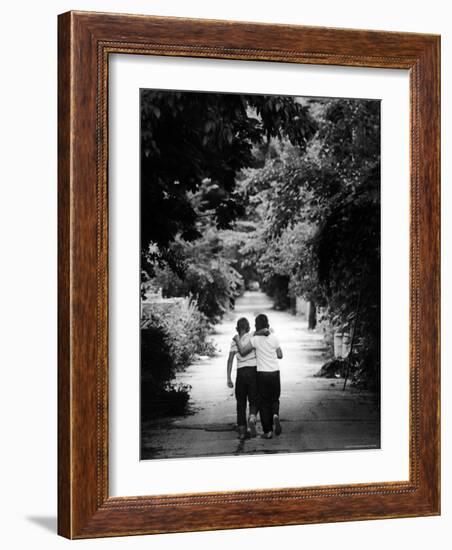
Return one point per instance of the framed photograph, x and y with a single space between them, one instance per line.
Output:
248 275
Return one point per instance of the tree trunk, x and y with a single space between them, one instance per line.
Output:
312 316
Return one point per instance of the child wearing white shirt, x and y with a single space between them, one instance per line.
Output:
268 351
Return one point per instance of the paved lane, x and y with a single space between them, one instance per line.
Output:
315 413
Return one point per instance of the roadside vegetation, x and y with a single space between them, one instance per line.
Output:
242 190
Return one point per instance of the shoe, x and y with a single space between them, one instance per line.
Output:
243 434
277 424
267 435
252 425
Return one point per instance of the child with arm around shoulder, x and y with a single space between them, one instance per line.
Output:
268 352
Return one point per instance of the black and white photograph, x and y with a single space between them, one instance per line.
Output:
260 274
225 232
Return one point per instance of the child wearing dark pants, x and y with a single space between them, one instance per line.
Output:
245 392
268 352
269 390
246 381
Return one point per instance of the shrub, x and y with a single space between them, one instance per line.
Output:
185 329
169 400
334 368
157 365
214 285
158 396
201 270
173 332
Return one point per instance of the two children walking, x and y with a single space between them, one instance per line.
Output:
258 379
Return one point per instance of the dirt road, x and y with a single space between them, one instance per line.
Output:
315 413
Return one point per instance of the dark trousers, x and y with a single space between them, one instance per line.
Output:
245 390
269 389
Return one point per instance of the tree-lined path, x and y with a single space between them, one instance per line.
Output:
315 413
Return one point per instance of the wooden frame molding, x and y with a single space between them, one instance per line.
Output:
85 42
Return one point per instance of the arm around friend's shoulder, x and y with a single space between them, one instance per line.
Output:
243 349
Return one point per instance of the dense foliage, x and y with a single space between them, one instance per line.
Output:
282 191
319 226
188 138
185 330
204 273
159 396
172 335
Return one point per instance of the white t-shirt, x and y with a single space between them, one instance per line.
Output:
248 360
266 347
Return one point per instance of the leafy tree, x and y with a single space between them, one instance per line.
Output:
319 225
207 275
189 137
287 191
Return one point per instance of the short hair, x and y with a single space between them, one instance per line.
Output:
243 325
261 321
